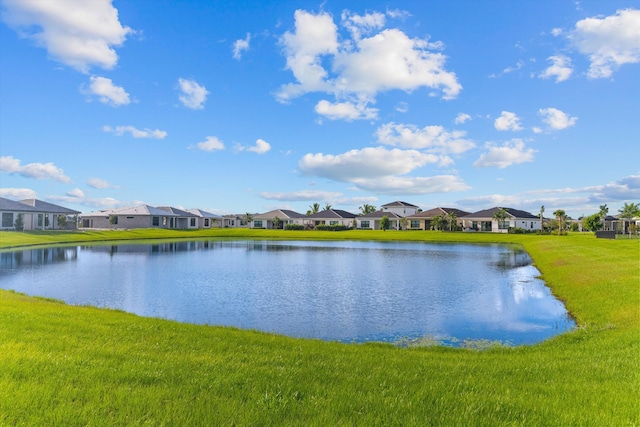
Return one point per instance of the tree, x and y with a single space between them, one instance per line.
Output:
247 218
327 206
62 221
403 222
314 209
385 223
367 209
592 222
452 217
604 210
628 212
19 223
277 223
437 222
541 218
561 217
501 217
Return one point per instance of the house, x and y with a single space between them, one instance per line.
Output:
278 219
422 220
36 215
183 220
371 221
400 208
485 221
235 221
330 217
206 219
142 216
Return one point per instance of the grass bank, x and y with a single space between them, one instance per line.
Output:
69 365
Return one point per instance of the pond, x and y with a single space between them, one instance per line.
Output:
349 291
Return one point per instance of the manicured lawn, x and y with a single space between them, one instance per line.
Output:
64 365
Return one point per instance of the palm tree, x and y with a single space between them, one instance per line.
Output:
500 216
436 222
604 210
314 209
367 209
541 218
327 206
384 223
628 211
560 215
452 217
247 218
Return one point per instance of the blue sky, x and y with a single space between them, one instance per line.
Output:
247 106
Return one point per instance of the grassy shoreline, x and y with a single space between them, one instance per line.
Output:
65 365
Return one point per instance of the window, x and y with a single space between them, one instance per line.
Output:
155 221
40 219
364 224
415 223
164 220
7 219
334 222
193 222
503 225
257 224
129 217
206 222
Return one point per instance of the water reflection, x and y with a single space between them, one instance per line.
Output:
342 290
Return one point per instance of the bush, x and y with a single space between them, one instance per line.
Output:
325 227
294 227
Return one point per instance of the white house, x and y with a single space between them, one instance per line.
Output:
400 208
278 218
485 220
331 217
36 215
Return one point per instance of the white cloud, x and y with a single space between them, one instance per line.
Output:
241 45
136 133
304 195
364 164
18 193
510 153
462 118
210 144
508 121
76 192
193 95
556 119
100 183
107 92
261 147
80 199
432 138
345 110
413 185
360 67
609 41
80 34
560 68
10 165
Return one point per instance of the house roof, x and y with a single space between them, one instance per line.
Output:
380 214
280 213
398 203
203 214
176 211
489 213
41 206
131 210
438 211
331 214
12 205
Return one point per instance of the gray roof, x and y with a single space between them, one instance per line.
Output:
438 211
203 214
12 205
280 213
398 203
380 214
489 213
331 213
41 206
131 211
176 211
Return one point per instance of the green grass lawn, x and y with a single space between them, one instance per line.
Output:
65 365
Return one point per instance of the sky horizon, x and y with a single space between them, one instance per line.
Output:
235 107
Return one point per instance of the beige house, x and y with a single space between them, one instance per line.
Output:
278 218
371 221
330 217
485 221
422 220
142 216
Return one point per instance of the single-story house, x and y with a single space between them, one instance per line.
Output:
36 215
485 221
372 220
331 217
400 208
142 216
206 219
278 218
422 220
235 221
183 220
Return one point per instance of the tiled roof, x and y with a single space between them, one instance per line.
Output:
280 213
203 214
12 205
131 211
331 213
399 203
489 213
41 206
438 211
380 214
176 211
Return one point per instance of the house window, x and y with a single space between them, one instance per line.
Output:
364 224
257 224
155 221
503 225
206 222
334 222
415 223
129 217
193 222
7 219
164 220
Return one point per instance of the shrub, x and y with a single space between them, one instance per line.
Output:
294 227
325 227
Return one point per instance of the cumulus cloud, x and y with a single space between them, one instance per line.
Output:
240 46
431 138
297 196
556 119
345 110
17 193
372 60
507 121
212 143
136 133
367 163
106 91
192 94
78 197
413 185
560 68
609 41
510 153
79 34
261 147
100 183
10 165
462 118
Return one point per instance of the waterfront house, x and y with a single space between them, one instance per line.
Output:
278 219
400 208
36 215
422 220
206 219
371 221
183 219
330 217
485 220
141 216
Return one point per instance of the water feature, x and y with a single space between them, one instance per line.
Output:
351 291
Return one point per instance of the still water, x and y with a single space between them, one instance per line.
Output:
348 291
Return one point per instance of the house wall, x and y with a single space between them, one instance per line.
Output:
125 221
401 210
